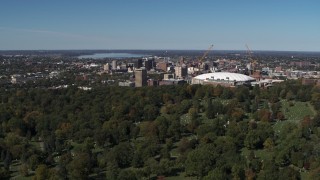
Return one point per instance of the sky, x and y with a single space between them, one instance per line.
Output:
282 25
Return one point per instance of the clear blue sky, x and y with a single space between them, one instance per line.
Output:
160 24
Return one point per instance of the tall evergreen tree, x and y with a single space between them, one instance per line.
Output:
210 109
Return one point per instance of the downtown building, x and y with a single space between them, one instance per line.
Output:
140 77
181 71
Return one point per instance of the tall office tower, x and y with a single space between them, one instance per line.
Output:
181 60
107 67
114 64
139 63
148 64
154 64
140 77
181 71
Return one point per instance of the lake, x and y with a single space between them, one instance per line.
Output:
112 55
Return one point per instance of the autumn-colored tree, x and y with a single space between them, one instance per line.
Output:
280 116
268 144
264 115
306 121
217 91
250 174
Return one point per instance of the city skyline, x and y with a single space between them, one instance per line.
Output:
181 25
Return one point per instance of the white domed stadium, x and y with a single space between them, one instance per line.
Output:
223 78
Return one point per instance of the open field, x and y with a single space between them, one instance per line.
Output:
296 111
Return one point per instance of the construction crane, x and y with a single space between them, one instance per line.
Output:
252 62
249 53
205 53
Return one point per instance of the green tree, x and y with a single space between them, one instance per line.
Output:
193 113
150 112
184 106
33 161
210 111
41 173
165 167
237 172
290 96
283 158
162 126
64 160
227 93
289 173
137 160
112 171
4 174
217 174
122 154
269 171
252 140
24 170
175 128
127 174
151 166
200 161
185 145
79 167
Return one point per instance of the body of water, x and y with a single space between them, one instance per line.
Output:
112 55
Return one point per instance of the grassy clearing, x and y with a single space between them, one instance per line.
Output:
15 174
294 113
278 126
304 175
22 178
297 111
260 153
225 101
174 152
185 119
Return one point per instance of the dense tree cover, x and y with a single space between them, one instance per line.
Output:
136 133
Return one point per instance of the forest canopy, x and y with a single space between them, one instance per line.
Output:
190 131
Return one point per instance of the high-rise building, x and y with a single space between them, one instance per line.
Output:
114 64
148 64
107 67
181 71
138 63
140 77
181 60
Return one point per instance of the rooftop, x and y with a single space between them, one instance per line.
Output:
227 76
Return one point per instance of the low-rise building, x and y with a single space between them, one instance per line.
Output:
223 78
171 82
127 84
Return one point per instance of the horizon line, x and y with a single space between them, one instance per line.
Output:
157 50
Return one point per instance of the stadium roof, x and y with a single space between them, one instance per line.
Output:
225 76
